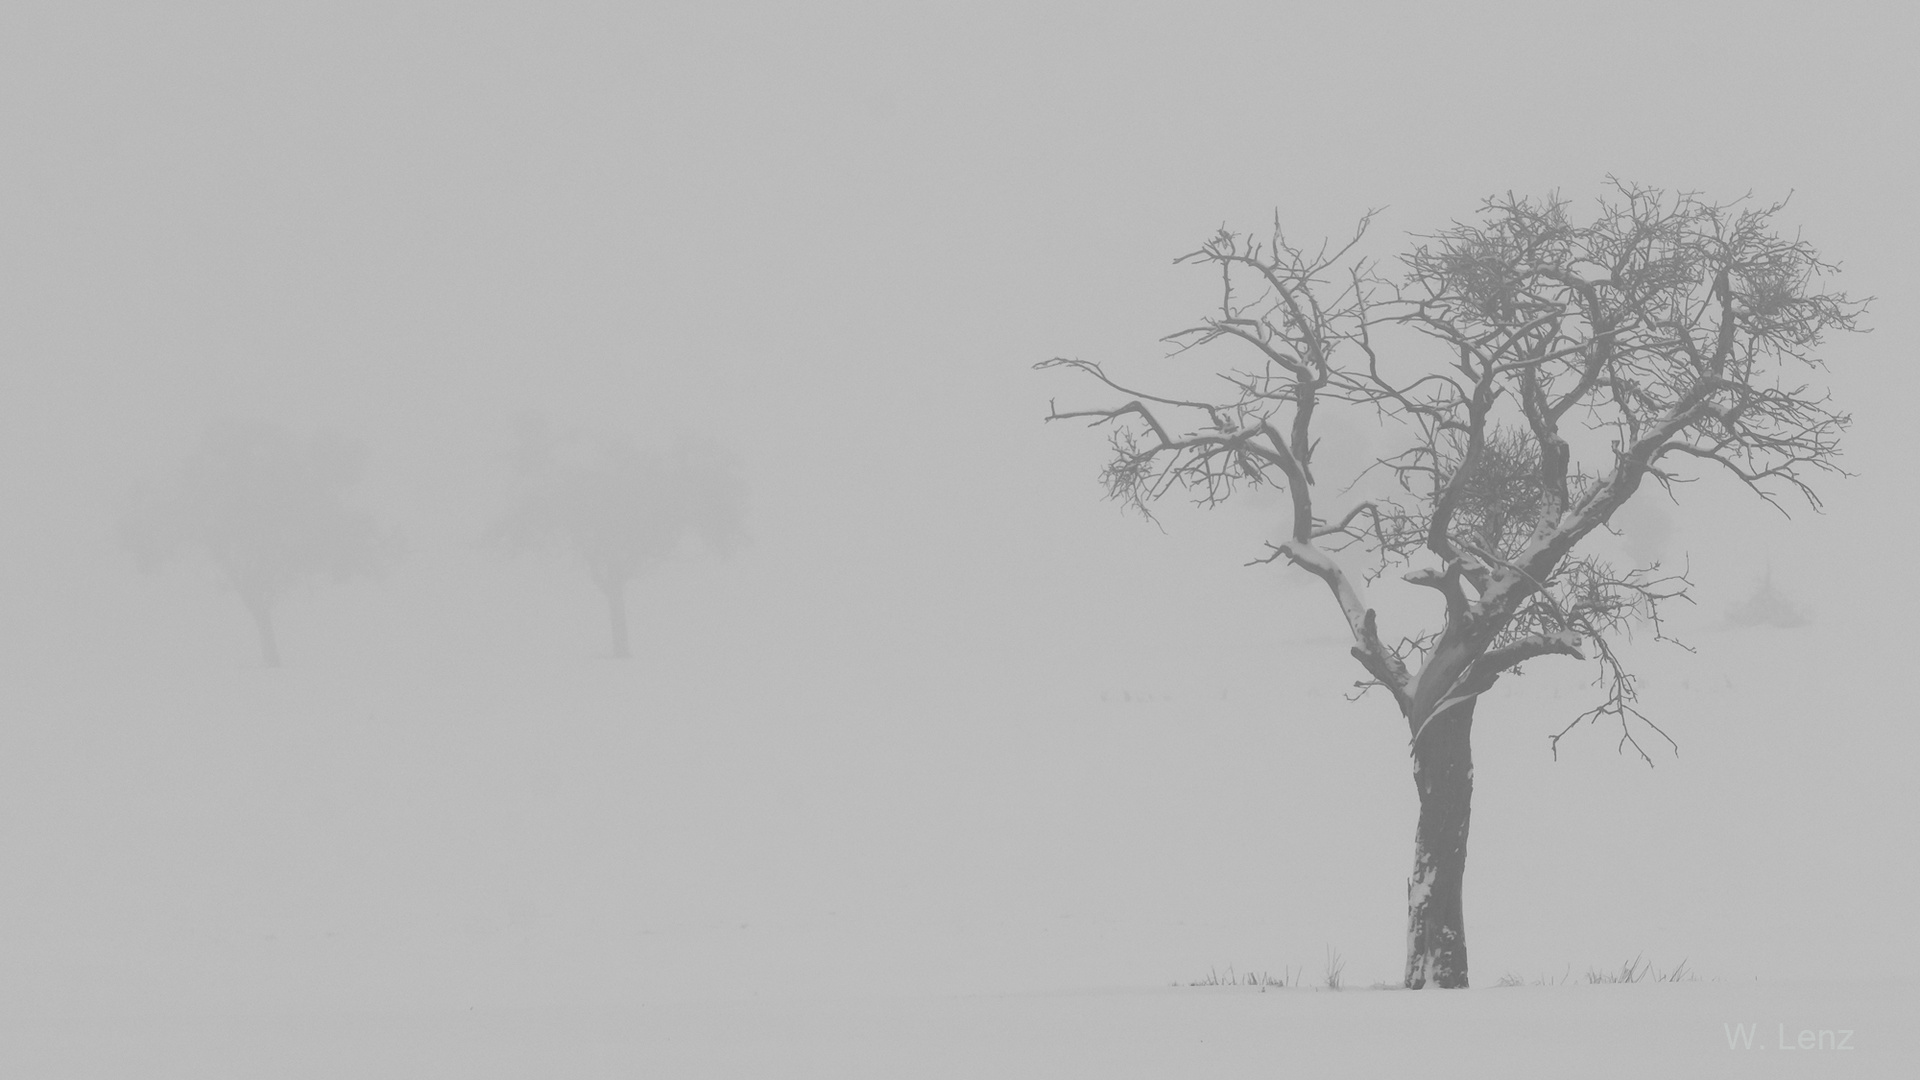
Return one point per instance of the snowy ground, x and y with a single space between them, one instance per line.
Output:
549 864
1654 1030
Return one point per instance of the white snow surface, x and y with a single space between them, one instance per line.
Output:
1708 1029
555 865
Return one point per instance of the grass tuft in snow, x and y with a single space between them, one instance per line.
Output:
1633 971
1333 976
1262 979
1336 967
1636 970
1510 979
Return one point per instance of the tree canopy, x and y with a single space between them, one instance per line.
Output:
622 509
1565 363
267 508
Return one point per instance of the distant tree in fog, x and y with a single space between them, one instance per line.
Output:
1539 370
268 509
620 508
1766 606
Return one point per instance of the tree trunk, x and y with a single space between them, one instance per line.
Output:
616 594
1436 927
261 608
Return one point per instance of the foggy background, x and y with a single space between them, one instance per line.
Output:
947 720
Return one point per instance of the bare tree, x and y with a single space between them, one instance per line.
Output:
268 509
621 509
1541 370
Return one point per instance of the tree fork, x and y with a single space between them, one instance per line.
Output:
1436 925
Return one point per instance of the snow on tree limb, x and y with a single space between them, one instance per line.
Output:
1665 319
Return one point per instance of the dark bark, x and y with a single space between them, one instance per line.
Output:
615 591
1436 926
260 606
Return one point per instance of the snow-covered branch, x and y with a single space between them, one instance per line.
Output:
1664 319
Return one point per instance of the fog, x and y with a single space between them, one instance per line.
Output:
939 685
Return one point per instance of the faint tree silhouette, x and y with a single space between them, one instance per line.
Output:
620 508
268 509
1766 605
1541 370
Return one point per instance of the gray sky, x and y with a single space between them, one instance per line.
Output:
837 238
